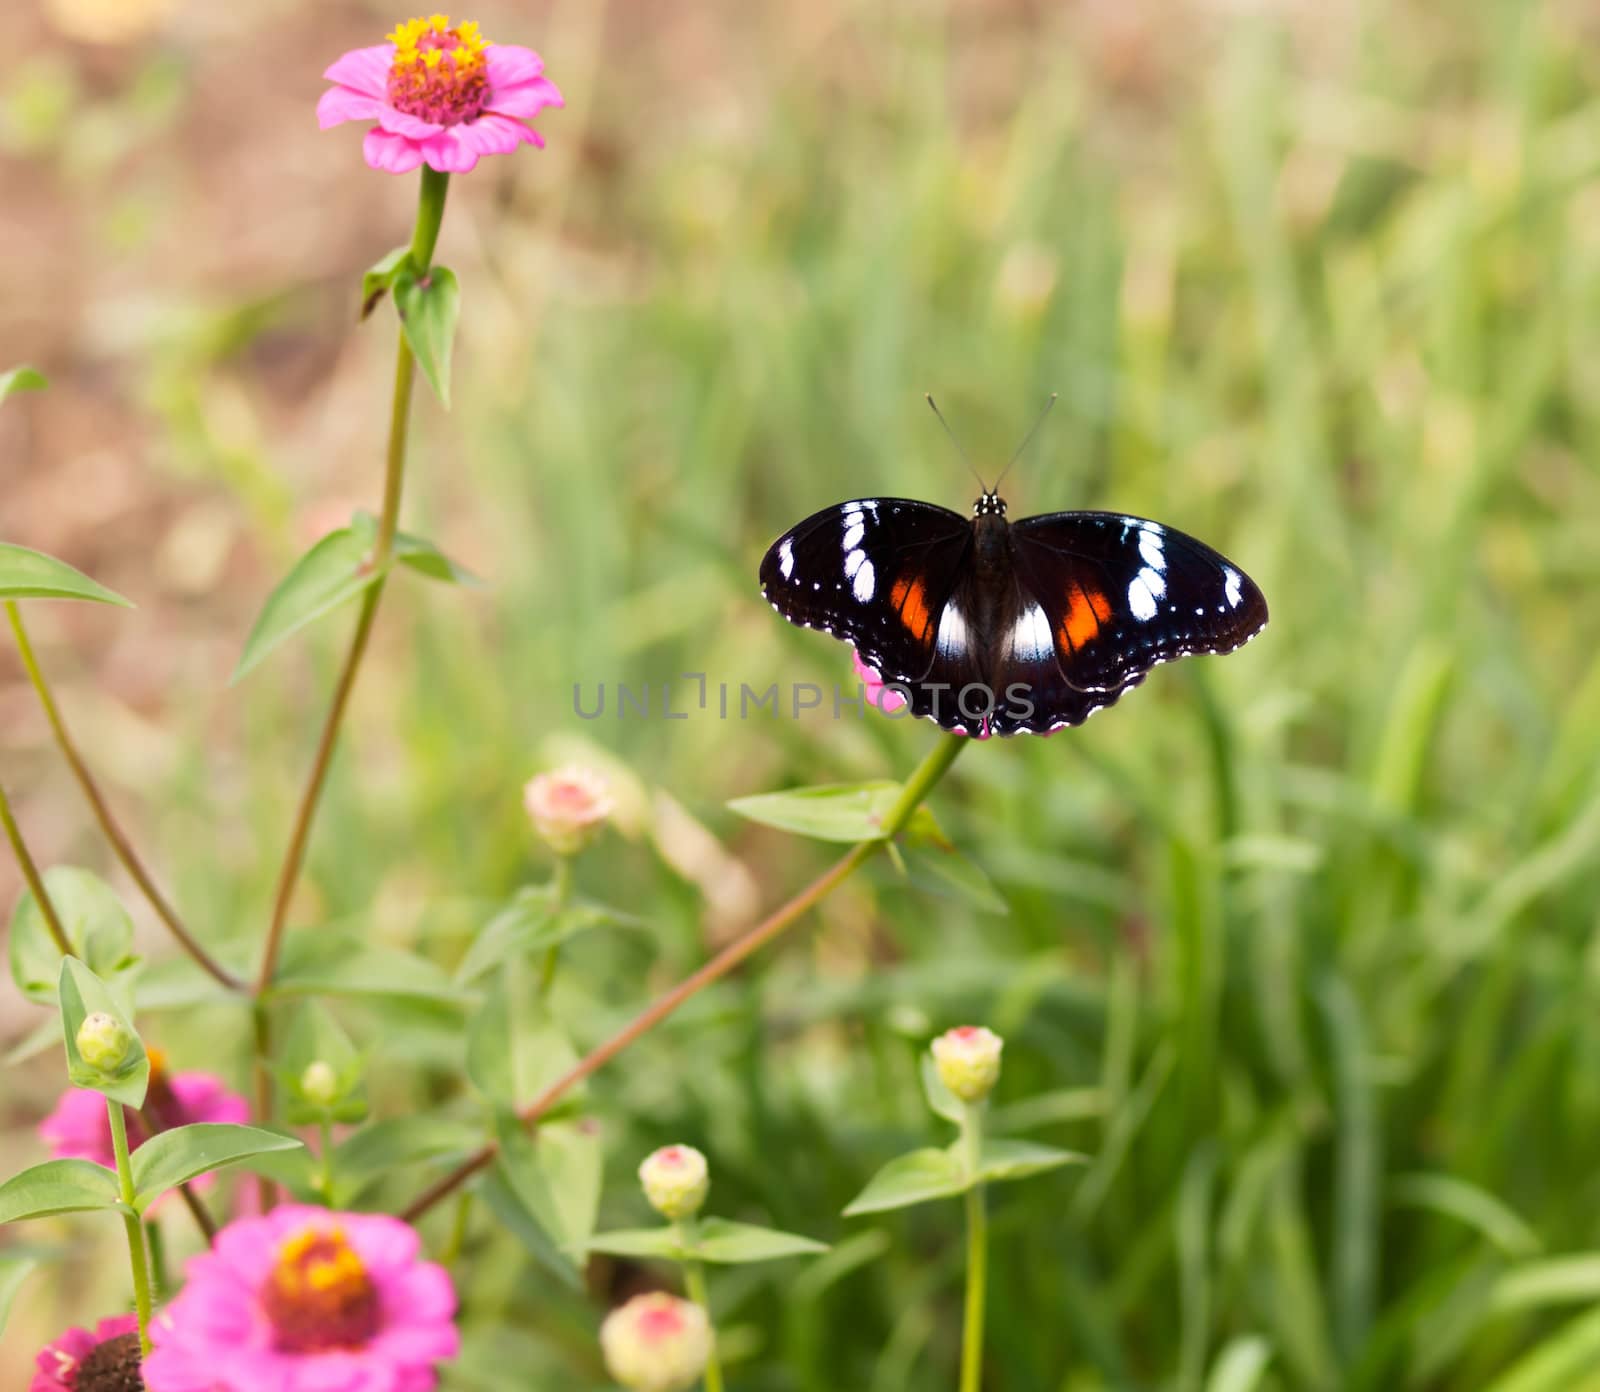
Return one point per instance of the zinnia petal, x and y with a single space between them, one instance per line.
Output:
526 98
509 65
496 135
393 154
366 70
398 122
448 153
340 104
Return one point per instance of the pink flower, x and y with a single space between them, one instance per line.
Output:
79 1128
307 1300
568 806
441 94
80 1361
656 1343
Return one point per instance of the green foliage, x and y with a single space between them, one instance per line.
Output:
428 308
14 1270
845 812
715 1240
96 925
169 1158
317 1042
26 574
19 379
57 1186
334 571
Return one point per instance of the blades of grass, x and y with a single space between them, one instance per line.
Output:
1193 1226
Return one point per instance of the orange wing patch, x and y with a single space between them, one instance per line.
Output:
1086 611
911 599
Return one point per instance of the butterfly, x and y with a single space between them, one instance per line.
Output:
996 627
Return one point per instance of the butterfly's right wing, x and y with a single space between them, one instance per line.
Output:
876 572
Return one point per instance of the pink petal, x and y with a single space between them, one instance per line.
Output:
393 154
448 153
510 65
495 135
366 70
421 1294
526 98
205 1097
384 1244
398 122
340 104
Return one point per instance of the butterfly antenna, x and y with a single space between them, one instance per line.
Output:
1027 439
965 458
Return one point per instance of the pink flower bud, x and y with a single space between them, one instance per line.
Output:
568 807
968 1060
656 1343
675 1180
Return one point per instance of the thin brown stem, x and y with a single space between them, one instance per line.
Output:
916 789
30 872
114 834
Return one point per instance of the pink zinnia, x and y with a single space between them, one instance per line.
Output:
79 1128
438 93
307 1300
106 1360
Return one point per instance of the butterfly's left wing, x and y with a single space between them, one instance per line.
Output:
1120 594
876 572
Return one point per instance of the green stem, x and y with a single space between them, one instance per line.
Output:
458 1231
30 872
912 795
325 1156
977 1253
130 1221
424 237
158 1259
114 834
694 1277
561 893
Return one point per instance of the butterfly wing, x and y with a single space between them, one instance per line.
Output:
1124 593
877 572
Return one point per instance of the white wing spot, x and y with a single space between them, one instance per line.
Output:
853 562
952 640
1140 599
865 581
1152 546
852 538
786 558
1231 589
1030 639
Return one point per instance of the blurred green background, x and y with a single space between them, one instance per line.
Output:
1301 944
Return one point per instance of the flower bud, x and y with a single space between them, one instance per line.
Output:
103 1042
656 1343
319 1084
675 1180
968 1060
568 807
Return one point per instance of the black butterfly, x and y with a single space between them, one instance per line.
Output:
995 627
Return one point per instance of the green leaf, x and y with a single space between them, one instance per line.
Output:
428 308
427 559
21 379
96 924
84 994
57 1186
513 1216
936 867
944 1102
1002 1161
513 1055
664 1243
13 1272
380 276
1241 1365
322 963
399 1143
336 569
556 1175
169 1158
27 574
529 925
832 812
908 1180
728 1243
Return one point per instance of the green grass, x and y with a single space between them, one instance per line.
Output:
1302 942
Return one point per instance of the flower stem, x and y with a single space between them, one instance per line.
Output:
121 846
30 872
560 893
325 1157
977 1252
912 795
424 237
130 1221
694 1278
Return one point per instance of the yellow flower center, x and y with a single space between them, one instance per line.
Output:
439 73
319 1295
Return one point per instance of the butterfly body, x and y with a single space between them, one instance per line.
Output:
993 627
